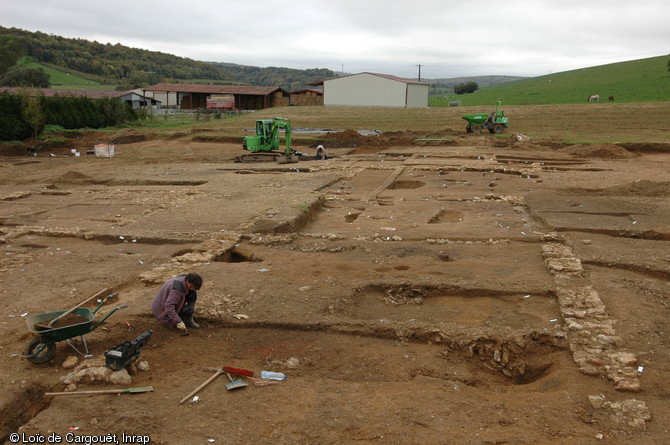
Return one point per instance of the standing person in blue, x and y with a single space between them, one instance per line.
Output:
174 304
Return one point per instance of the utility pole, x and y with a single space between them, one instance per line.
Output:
419 72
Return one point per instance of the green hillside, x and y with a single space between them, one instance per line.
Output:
644 80
66 80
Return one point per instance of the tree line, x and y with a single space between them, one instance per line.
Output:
288 78
11 50
25 113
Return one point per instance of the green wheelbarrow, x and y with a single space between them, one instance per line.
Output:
42 347
496 122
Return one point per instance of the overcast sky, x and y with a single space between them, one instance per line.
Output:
447 38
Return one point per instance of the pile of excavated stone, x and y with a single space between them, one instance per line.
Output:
94 371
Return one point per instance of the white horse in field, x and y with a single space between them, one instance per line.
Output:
594 98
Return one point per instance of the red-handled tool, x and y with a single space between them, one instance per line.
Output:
231 370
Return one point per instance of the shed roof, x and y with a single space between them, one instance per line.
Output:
91 94
213 89
313 90
386 76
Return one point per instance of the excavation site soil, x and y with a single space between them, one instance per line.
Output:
415 290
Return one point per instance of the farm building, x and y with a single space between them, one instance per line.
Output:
307 97
134 98
375 90
192 96
137 99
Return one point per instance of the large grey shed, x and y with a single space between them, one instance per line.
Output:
375 90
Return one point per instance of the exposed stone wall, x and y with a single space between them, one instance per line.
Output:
595 347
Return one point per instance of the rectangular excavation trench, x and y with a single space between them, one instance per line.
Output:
333 361
464 307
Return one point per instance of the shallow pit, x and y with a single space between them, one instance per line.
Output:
406 185
238 256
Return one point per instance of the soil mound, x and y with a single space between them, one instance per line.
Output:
346 138
217 138
602 150
176 135
640 188
128 137
73 177
13 150
646 147
351 138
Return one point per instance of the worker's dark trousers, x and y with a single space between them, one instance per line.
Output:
189 306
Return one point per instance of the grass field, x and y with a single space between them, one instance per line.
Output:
63 80
548 106
589 123
644 80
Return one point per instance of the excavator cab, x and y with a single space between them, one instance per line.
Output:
263 131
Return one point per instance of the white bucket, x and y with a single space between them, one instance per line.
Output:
104 150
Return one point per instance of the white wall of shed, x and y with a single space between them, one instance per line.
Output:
166 99
417 95
365 90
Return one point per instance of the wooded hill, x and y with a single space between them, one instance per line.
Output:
288 78
114 64
133 67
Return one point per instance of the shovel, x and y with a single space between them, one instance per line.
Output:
207 382
43 327
235 383
103 391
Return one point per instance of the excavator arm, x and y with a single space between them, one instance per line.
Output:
284 124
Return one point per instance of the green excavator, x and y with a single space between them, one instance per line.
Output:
265 144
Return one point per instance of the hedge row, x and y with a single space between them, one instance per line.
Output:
12 124
70 112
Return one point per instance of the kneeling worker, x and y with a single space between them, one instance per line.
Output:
321 153
174 304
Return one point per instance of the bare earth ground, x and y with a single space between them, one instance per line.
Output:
489 291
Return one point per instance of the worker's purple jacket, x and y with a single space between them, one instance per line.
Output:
169 301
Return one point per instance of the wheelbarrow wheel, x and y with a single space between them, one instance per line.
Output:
38 352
